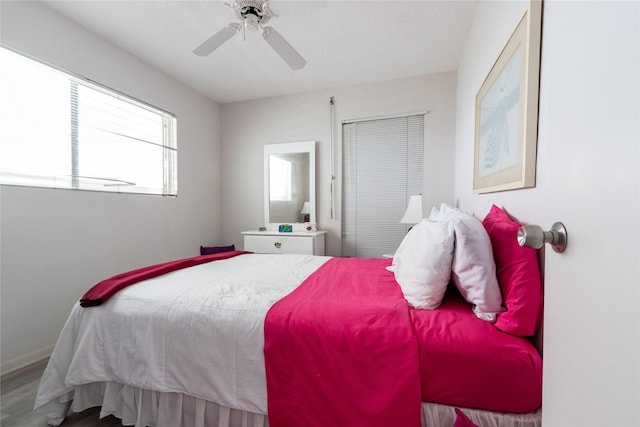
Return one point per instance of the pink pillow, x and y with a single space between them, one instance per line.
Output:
518 275
462 420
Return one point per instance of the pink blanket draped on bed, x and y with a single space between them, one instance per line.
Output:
340 350
102 291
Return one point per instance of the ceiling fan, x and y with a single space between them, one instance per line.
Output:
253 15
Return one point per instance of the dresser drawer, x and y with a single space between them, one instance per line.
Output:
279 244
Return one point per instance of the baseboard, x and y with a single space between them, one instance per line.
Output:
26 360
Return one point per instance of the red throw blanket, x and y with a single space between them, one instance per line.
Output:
102 291
340 351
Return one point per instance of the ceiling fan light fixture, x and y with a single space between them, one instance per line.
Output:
251 22
254 14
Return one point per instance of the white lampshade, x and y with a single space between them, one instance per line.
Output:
413 215
305 209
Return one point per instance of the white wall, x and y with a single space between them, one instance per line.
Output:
55 244
587 177
249 125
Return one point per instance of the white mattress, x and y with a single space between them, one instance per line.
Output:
197 331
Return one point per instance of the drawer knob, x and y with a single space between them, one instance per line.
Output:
277 245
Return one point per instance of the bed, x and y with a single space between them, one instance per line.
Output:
308 340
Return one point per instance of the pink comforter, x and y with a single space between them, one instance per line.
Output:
468 362
340 351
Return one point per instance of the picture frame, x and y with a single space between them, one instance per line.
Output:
506 111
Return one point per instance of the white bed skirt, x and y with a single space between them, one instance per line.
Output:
436 415
140 408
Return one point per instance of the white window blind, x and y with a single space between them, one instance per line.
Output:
61 131
383 161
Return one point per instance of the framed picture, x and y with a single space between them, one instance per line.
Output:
506 123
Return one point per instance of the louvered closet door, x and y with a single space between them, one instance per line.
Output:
382 166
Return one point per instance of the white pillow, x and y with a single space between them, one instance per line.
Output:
422 263
473 266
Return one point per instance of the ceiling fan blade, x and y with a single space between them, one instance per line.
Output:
216 40
283 48
289 7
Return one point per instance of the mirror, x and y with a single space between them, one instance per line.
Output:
289 184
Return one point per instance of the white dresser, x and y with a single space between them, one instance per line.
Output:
273 242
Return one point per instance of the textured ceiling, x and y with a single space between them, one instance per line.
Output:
345 42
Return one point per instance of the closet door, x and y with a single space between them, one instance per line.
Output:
383 162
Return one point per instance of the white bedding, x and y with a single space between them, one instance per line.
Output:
197 331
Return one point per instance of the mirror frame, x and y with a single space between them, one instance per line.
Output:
289 148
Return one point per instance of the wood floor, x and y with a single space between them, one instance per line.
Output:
17 395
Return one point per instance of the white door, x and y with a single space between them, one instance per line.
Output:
589 131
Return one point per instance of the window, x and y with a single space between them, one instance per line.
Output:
383 161
61 131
